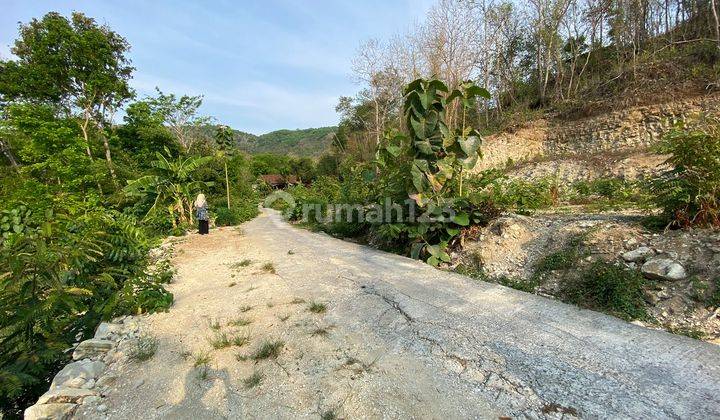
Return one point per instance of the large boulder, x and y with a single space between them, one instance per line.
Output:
59 411
77 373
108 331
663 269
92 348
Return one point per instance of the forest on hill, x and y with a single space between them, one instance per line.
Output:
308 142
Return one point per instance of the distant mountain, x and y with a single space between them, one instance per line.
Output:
311 142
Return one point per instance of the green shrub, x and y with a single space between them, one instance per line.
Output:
237 214
689 193
610 288
493 187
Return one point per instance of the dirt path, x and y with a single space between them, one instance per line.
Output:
398 339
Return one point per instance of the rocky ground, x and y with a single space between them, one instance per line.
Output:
682 268
277 322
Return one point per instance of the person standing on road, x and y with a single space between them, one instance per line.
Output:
202 214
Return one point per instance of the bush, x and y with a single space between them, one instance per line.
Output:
237 214
494 187
61 274
610 288
689 193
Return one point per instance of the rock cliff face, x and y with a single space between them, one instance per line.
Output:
614 144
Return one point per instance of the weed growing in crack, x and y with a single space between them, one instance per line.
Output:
253 380
268 350
317 308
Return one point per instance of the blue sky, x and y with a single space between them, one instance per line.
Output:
261 65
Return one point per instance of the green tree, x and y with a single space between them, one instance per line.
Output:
181 116
76 63
225 139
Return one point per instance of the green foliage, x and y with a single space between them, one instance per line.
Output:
60 275
689 193
172 187
610 288
239 213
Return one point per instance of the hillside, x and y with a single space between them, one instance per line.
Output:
310 142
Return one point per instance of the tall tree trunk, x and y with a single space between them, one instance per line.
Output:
108 157
8 153
717 22
227 185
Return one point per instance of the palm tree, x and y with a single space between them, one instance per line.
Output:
225 139
172 186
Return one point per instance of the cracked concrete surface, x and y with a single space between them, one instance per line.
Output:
403 340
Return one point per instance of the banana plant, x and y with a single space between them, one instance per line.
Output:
172 187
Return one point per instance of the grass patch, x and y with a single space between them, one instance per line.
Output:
201 359
269 268
688 332
317 308
297 301
609 288
203 371
321 332
240 322
144 349
512 282
215 325
240 264
240 340
268 350
253 380
245 308
220 341
328 415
